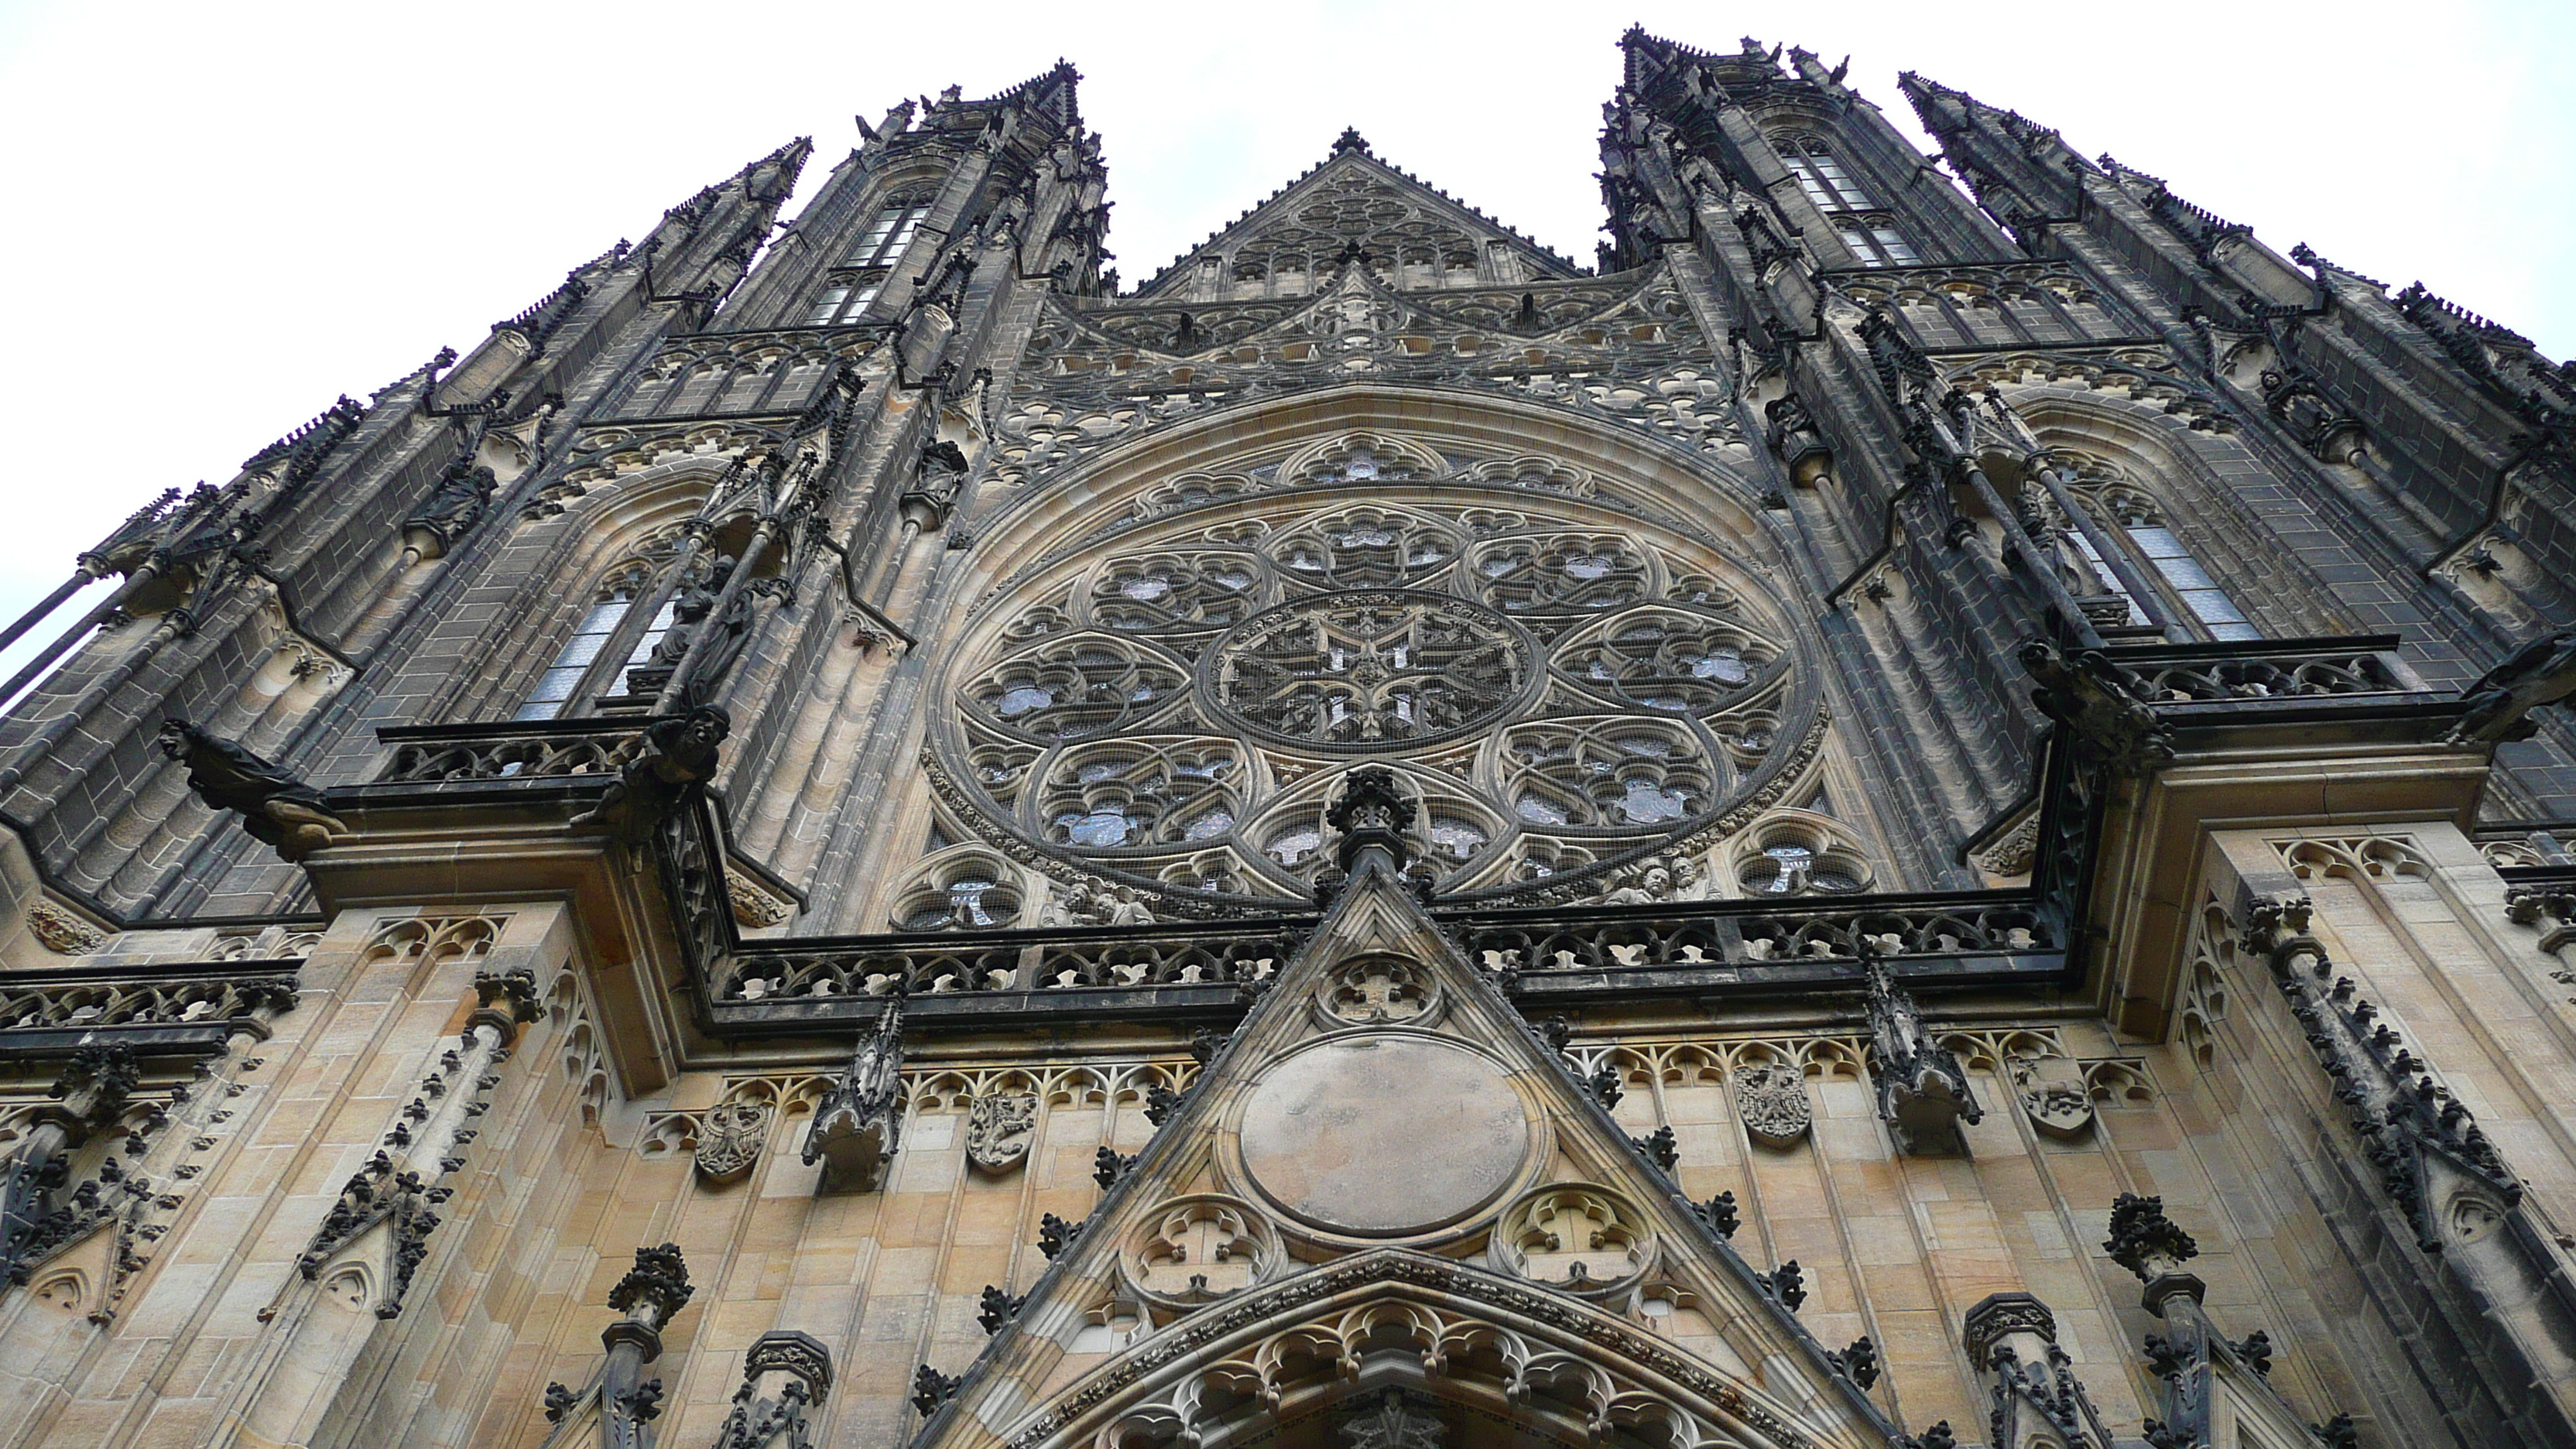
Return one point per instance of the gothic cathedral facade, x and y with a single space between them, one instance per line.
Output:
1928 805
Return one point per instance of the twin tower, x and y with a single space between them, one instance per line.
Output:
1925 805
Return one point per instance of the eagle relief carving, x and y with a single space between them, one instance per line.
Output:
730 1139
1000 1129
1771 1100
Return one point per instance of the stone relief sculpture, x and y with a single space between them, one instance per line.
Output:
1771 1101
1000 1130
730 1138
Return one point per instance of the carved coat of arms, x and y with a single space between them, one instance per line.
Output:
2054 1096
1000 1129
1771 1101
729 1140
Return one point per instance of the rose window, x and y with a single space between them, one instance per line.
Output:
1566 692
1371 668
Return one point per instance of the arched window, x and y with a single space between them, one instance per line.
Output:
559 689
1822 177
2132 517
890 233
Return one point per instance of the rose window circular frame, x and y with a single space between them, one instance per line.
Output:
1570 691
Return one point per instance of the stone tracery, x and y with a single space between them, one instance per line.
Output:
1170 705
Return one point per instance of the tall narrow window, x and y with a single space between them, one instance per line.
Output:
845 300
1876 241
2191 583
1866 229
1822 177
2155 543
891 232
555 687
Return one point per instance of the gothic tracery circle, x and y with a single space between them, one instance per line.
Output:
1171 704
1371 668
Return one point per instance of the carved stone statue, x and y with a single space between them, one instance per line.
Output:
2500 703
452 509
690 605
858 1121
274 806
660 771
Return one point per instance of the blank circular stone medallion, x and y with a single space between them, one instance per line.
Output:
1385 1134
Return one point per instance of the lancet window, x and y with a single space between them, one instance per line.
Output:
2129 515
890 233
846 299
1821 176
1867 230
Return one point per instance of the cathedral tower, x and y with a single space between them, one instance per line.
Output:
1923 805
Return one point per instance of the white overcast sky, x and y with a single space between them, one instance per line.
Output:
223 216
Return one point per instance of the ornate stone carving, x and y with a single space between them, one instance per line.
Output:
1579 1237
858 1122
2012 1340
753 906
276 808
1000 1129
1393 1423
659 773
730 1139
2093 700
1377 990
1771 1101
785 1374
62 932
1366 668
2500 703
2055 1094
1194 1250
1922 1093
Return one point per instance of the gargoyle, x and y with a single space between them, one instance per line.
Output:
2500 703
274 806
2090 698
660 771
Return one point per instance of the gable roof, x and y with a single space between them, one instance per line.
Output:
1350 197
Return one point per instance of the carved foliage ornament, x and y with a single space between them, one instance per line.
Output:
1000 1130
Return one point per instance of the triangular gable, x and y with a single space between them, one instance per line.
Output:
1386 1182
1353 204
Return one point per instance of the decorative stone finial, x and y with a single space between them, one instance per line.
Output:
656 1288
